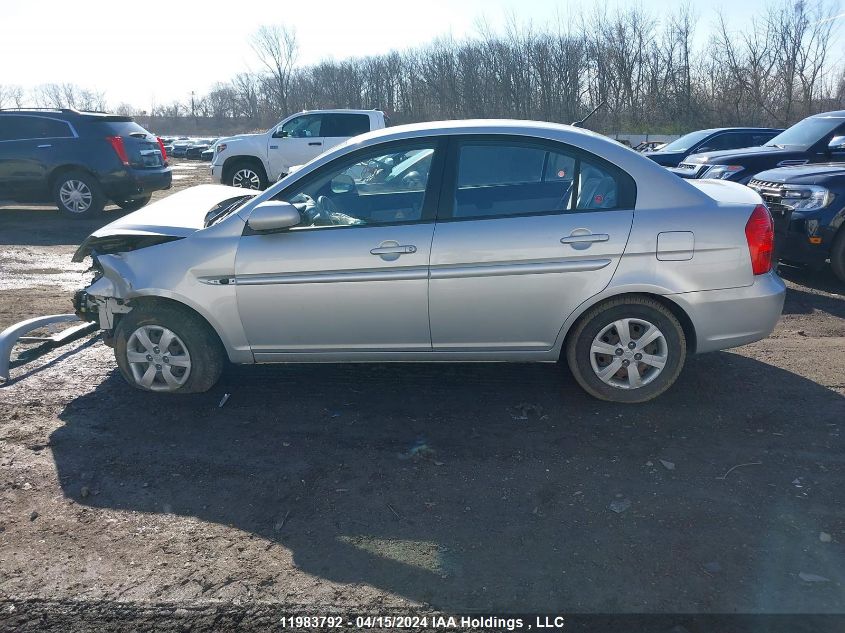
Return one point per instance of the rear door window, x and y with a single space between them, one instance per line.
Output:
514 178
34 128
335 125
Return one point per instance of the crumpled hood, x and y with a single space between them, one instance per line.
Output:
175 217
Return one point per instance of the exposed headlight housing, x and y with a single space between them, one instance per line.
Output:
221 147
806 197
722 172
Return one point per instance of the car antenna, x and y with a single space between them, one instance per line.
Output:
594 110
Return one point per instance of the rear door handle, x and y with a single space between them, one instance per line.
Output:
45 145
585 239
315 143
394 250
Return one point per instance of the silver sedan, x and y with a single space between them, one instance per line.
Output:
452 241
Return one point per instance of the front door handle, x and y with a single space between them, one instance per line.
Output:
402 249
588 238
315 143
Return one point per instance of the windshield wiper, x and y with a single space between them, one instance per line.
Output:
775 145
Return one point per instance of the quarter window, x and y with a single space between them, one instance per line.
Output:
379 187
513 178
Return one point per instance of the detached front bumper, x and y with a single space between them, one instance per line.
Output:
734 316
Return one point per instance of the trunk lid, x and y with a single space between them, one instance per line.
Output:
725 192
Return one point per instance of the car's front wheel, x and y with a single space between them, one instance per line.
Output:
167 348
78 193
630 350
246 174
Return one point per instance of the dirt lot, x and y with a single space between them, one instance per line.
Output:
463 488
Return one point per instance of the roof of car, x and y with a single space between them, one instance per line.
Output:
741 129
637 165
67 113
835 114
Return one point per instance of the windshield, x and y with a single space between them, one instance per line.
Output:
806 133
685 142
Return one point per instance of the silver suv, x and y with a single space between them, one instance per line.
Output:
454 241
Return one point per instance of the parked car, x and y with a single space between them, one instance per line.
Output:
208 154
716 139
180 147
79 160
817 139
194 152
649 146
811 199
253 161
550 243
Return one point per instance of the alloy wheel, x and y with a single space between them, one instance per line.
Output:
76 196
246 179
158 358
629 353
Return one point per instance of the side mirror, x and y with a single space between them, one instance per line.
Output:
343 183
279 133
837 144
272 216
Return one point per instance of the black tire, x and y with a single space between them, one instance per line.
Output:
240 173
207 356
135 203
91 195
591 324
837 255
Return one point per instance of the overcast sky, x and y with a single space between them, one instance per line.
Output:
161 50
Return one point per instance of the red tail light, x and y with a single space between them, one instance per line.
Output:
760 234
119 148
161 147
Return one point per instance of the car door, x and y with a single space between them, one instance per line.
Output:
527 231
340 126
353 276
294 142
26 147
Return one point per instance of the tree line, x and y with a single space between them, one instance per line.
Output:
648 73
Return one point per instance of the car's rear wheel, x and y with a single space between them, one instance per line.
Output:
135 203
247 175
78 193
837 255
169 349
630 350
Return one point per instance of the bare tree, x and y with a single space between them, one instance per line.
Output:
277 50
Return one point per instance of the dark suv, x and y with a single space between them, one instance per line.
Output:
712 140
816 139
79 160
811 202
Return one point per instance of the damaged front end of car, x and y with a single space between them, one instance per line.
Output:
122 276
105 297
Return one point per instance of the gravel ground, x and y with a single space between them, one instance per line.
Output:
411 488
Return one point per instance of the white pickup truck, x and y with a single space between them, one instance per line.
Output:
254 161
